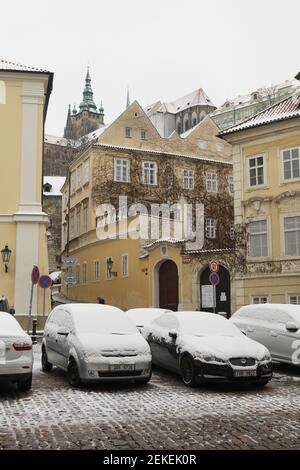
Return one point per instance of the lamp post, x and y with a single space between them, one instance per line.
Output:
6 253
109 263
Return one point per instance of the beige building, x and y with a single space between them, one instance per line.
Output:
131 159
24 96
266 160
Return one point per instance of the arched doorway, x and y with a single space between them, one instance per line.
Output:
168 285
222 292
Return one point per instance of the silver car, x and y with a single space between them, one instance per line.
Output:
277 326
95 343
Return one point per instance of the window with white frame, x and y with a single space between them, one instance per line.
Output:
124 265
231 184
210 228
202 144
143 134
292 235
220 147
258 238
260 299
294 299
79 177
85 218
84 273
86 171
188 179
121 170
128 132
291 164
78 220
211 182
256 170
96 270
150 173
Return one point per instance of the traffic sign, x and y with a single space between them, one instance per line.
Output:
45 282
214 279
35 275
70 278
186 259
70 261
214 266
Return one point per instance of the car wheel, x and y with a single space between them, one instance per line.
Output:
25 385
263 383
187 370
73 374
46 365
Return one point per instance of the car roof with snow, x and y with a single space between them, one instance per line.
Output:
293 310
84 309
142 316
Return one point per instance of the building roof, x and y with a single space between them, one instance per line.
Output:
13 66
285 109
62 141
195 98
56 183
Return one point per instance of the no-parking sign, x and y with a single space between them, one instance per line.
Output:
45 282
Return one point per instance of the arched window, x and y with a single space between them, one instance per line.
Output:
2 92
179 128
194 122
186 125
194 119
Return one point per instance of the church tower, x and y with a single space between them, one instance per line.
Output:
88 118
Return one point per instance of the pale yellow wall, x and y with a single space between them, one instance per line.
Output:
8 235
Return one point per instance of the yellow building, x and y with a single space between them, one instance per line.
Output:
131 159
266 159
24 95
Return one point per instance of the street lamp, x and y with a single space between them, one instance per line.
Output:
6 252
109 264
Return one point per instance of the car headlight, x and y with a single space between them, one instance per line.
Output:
211 358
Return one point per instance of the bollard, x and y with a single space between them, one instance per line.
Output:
33 336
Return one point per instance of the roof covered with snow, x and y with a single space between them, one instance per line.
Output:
56 183
285 109
13 66
195 98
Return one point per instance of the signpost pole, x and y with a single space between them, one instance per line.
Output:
30 308
44 302
214 289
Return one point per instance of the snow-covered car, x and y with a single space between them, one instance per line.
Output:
95 343
206 347
277 326
16 358
144 316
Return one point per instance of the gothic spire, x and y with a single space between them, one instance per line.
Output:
88 103
68 128
127 99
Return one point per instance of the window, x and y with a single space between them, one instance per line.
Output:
128 132
73 182
78 216
96 270
194 121
84 273
149 173
210 228
188 179
220 147
108 273
211 182
78 275
72 224
202 144
179 128
256 171
85 218
232 232
292 235
86 171
124 265
143 134
121 170
260 299
294 299
258 238
78 177
231 184
291 164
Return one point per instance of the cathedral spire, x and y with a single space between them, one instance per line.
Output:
127 99
88 103
68 128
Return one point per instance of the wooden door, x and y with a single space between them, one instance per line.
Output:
168 285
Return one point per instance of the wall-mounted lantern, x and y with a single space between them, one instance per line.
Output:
109 263
5 253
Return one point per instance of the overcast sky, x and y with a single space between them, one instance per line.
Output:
162 49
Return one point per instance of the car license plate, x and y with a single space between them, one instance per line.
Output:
119 367
245 373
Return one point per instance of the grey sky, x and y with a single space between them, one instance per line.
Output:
161 48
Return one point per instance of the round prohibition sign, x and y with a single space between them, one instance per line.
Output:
214 279
45 282
35 275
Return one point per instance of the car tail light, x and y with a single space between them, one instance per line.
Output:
22 346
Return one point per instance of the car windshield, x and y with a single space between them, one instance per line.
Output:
104 323
208 326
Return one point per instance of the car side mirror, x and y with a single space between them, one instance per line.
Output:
291 326
173 334
12 311
63 332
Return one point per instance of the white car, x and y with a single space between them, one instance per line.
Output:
95 343
144 316
206 347
16 358
277 326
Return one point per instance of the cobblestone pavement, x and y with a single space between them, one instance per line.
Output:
161 415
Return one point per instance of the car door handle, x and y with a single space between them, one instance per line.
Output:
273 333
